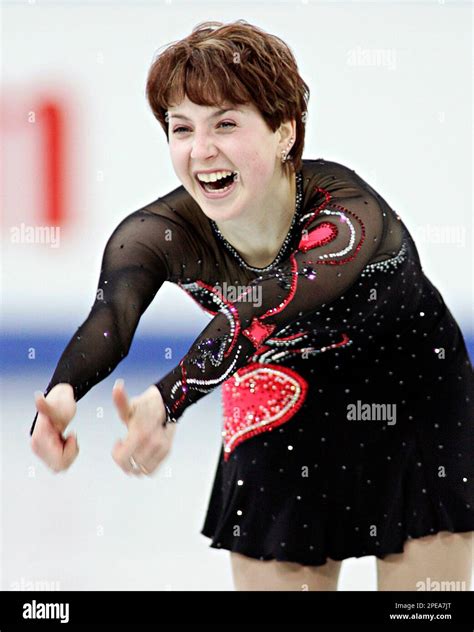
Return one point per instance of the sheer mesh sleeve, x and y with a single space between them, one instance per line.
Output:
138 257
336 243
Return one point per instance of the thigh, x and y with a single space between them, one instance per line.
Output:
253 574
442 561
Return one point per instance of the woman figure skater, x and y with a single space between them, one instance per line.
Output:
347 389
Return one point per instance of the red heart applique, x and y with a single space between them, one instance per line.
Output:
257 398
320 236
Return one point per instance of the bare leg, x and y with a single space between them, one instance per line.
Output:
253 574
442 561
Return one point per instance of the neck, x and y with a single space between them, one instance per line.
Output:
259 234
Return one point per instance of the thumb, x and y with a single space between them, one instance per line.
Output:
45 407
121 402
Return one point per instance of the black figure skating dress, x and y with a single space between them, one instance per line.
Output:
347 390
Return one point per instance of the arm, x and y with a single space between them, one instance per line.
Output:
134 266
337 242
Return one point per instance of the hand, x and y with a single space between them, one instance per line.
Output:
55 412
148 442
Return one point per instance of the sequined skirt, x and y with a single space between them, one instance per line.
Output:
345 475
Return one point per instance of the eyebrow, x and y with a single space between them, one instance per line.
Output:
218 113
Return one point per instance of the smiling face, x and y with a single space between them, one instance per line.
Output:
204 138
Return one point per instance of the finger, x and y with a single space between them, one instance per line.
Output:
66 455
70 450
51 411
45 407
57 453
150 459
121 401
132 448
121 454
47 440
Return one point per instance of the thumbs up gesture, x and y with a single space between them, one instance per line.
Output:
55 412
147 442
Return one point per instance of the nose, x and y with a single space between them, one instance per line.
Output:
202 147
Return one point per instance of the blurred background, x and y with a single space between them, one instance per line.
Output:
81 150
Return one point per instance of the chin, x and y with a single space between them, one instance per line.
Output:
219 215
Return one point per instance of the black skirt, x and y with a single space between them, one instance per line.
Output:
343 476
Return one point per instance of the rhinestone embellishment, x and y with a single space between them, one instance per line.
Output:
258 398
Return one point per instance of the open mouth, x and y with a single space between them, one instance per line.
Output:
219 185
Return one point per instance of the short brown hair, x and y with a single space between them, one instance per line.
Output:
235 63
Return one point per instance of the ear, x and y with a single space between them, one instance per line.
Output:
287 136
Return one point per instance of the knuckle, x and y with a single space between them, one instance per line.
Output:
155 443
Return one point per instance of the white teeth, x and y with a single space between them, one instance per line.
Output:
212 177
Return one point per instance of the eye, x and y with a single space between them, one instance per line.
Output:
178 129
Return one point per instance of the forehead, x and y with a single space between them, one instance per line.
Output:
189 109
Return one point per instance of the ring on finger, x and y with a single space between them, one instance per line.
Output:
138 466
